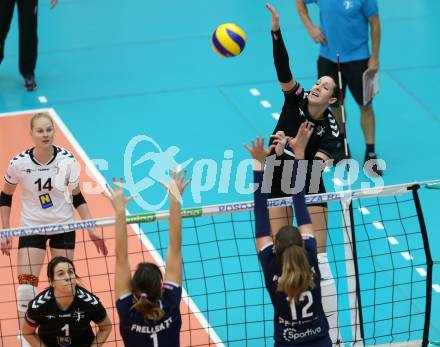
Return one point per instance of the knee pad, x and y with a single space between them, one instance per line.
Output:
26 291
329 297
324 268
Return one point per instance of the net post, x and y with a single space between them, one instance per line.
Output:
352 271
429 264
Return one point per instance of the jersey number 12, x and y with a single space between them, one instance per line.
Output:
305 313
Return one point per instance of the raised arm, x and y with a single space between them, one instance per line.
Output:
314 31
298 144
122 265
175 190
262 222
280 56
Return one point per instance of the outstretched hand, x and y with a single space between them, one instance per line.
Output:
258 152
177 185
299 142
280 140
275 17
116 196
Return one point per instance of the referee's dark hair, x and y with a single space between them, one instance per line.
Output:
54 262
146 286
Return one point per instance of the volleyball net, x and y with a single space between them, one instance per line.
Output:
377 246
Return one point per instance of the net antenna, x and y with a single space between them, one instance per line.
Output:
348 233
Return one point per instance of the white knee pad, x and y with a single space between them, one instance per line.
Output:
324 268
329 297
25 293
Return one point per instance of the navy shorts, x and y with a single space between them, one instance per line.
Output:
324 342
351 75
60 241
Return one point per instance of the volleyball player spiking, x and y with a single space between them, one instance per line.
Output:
326 143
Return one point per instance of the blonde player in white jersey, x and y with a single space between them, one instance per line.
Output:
49 178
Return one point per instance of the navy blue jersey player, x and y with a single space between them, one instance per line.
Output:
147 304
288 258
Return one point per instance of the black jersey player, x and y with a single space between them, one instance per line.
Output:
62 313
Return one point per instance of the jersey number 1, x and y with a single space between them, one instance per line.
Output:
66 330
47 185
155 341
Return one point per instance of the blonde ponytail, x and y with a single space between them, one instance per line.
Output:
296 276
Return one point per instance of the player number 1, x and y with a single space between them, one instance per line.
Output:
155 341
66 330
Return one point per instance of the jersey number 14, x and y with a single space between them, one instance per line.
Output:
47 185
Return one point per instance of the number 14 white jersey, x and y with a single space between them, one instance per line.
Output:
41 201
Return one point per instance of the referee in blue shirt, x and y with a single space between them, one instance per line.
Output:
343 30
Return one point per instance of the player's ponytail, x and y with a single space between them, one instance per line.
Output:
296 276
147 288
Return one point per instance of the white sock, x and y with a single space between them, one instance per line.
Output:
329 297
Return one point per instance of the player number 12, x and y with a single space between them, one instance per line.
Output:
305 313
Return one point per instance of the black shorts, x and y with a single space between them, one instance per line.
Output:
60 241
351 73
277 191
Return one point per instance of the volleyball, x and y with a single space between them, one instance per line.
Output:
228 40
